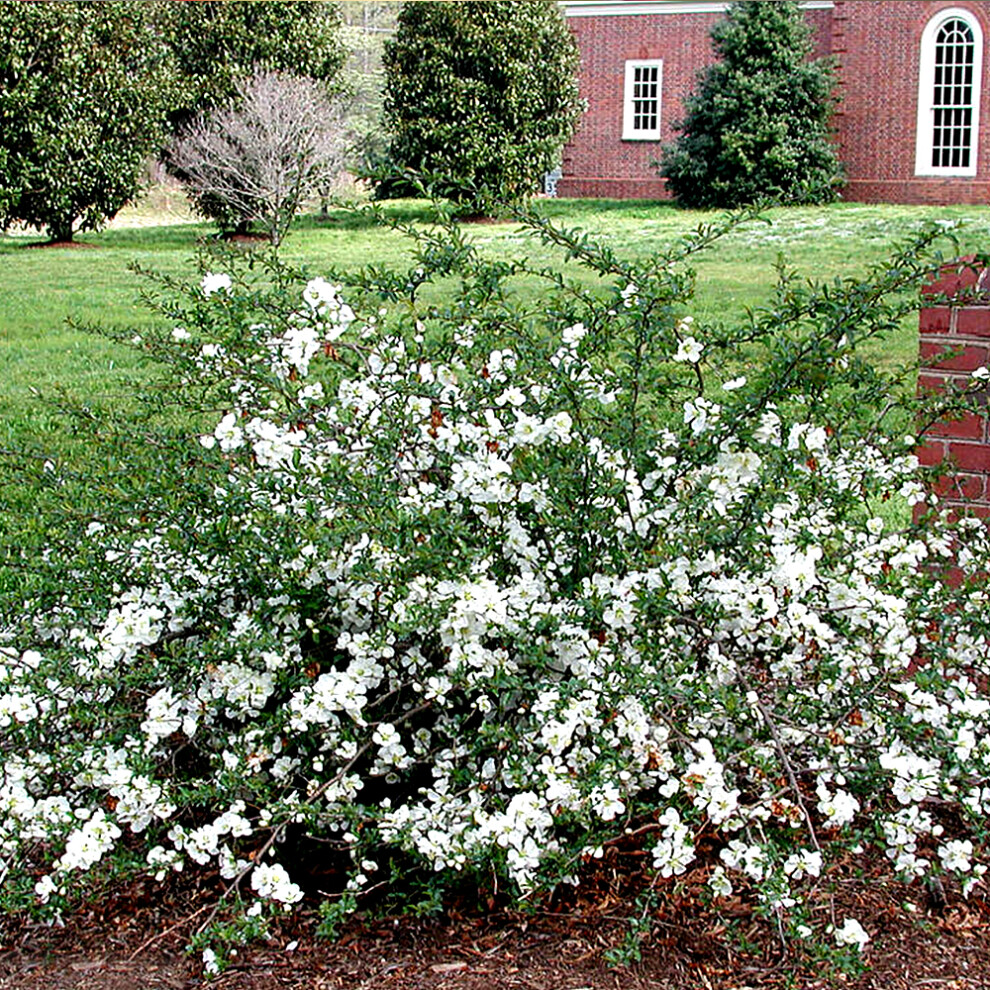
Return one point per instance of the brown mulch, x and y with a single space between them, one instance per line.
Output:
59 244
247 239
480 219
920 940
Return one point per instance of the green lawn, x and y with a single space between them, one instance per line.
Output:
40 288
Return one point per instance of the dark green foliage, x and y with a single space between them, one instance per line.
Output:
84 88
482 94
758 126
219 43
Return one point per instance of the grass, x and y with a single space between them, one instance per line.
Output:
41 288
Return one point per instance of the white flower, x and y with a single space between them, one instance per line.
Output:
804 862
719 882
86 846
838 808
561 424
272 883
722 804
607 801
45 887
852 933
210 965
572 335
319 292
769 429
750 860
689 351
164 715
674 853
215 282
672 856
228 433
699 414
323 300
514 396
816 438
955 855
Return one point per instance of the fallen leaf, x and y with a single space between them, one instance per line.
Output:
86 967
454 967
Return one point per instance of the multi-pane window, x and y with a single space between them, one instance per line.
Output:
953 97
641 104
949 94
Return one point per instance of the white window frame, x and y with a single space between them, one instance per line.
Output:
630 132
925 133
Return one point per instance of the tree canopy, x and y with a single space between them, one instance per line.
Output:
219 43
257 160
84 89
758 124
483 94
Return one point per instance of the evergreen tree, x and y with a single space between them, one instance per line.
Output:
482 93
84 89
218 44
758 125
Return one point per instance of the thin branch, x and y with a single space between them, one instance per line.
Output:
792 779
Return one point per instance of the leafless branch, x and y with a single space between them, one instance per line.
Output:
259 159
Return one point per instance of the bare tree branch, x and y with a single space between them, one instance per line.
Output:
259 159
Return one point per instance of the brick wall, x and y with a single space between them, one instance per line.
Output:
876 45
961 444
598 162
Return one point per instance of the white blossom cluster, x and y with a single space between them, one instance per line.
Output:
431 602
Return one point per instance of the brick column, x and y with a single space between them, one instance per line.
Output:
960 329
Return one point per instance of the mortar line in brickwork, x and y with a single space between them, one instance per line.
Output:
963 445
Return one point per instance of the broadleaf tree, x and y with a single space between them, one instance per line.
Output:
220 43
84 90
481 96
758 125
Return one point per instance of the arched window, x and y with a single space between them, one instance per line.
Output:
949 94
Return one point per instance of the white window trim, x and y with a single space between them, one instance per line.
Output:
629 133
632 8
926 87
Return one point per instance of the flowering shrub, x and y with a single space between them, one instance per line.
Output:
453 582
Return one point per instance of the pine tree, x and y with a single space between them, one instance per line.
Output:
758 125
365 27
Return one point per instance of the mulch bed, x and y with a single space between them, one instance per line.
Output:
247 240
921 939
72 245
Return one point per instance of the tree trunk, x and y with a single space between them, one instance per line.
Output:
60 230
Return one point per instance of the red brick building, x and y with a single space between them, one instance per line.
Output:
913 125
